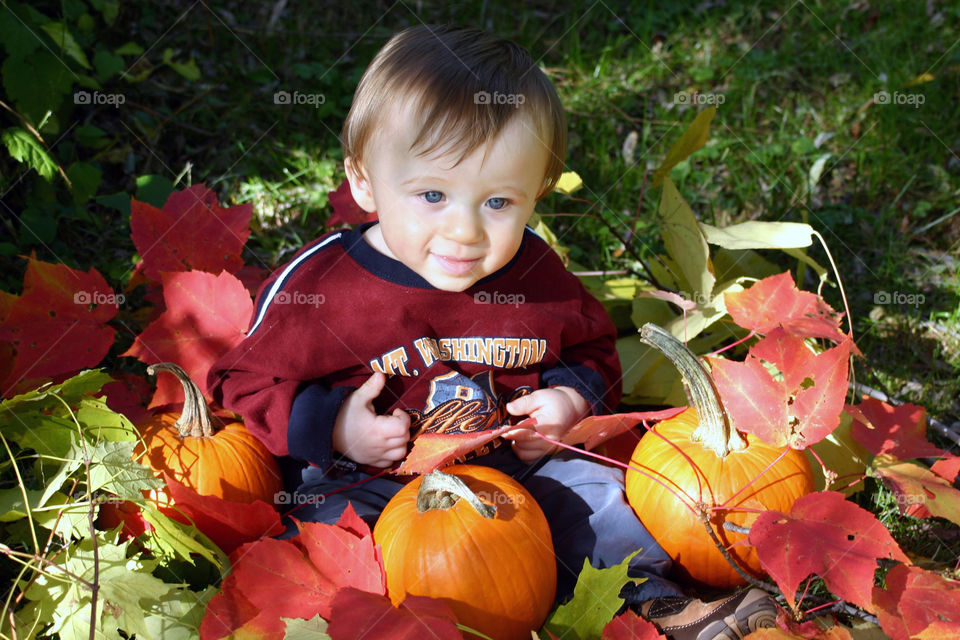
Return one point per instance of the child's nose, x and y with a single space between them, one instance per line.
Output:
463 225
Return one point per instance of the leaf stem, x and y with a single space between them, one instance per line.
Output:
688 505
766 586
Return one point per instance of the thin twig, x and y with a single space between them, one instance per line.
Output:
766 586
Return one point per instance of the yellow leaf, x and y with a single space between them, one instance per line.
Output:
569 182
923 78
686 244
692 139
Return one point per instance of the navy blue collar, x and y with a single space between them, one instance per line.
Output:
395 271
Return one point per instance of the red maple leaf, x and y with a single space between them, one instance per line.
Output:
227 524
345 208
809 630
57 326
775 301
206 316
432 451
826 535
360 614
947 469
799 410
919 492
629 626
900 431
230 614
192 231
295 578
593 430
918 604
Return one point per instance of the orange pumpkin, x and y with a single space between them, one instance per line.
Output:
227 462
712 472
475 538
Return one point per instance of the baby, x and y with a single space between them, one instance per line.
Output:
448 314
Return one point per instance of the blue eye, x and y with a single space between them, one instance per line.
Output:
433 197
497 203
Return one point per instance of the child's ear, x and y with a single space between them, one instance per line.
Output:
359 185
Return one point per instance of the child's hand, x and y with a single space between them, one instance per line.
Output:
556 410
365 437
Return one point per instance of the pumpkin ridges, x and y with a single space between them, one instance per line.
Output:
229 463
712 473
410 540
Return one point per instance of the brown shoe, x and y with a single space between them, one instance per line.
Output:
728 619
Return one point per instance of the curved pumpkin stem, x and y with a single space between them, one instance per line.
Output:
195 421
439 490
714 432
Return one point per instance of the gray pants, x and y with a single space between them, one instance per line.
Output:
583 502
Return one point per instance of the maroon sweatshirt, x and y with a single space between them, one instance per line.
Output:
341 310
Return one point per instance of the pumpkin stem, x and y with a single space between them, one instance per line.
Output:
439 490
195 420
714 432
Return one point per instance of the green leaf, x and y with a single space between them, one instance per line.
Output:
685 243
15 35
313 629
760 235
153 189
188 70
108 8
596 598
102 423
107 64
175 540
85 179
129 49
38 223
64 516
12 506
90 135
177 614
119 201
842 454
61 35
692 139
72 461
27 149
114 470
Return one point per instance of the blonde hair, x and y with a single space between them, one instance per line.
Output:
467 84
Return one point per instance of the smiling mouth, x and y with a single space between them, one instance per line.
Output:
456 266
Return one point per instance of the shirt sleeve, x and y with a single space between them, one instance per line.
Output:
589 361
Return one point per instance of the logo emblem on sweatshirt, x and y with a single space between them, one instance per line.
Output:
459 404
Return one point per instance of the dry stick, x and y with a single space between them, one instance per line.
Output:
766 586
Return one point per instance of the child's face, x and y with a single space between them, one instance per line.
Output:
452 225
